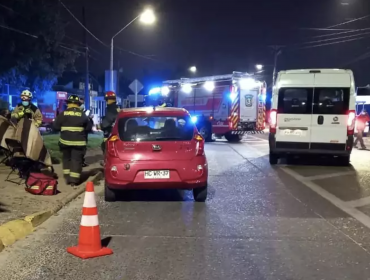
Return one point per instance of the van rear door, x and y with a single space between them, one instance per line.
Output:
329 118
294 118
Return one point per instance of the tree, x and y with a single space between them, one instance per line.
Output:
31 48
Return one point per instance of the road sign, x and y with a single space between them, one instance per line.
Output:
136 87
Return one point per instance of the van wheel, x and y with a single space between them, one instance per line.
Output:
344 160
273 159
200 194
109 194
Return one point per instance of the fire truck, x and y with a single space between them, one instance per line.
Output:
225 105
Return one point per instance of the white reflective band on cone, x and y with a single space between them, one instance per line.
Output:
89 221
89 200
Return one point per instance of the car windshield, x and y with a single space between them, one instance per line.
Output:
156 128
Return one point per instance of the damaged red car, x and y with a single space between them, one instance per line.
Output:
155 148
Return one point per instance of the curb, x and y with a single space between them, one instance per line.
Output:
18 229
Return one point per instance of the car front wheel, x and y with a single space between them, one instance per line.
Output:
109 194
200 194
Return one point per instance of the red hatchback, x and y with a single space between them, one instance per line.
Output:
155 148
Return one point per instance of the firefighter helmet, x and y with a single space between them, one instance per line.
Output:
26 95
110 95
74 99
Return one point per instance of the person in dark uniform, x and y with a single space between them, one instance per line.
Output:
111 113
73 125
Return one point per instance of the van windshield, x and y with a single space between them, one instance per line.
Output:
331 101
156 128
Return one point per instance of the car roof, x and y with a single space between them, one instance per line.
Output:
168 111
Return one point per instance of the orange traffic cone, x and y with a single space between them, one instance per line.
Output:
89 242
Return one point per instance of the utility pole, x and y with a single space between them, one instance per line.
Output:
87 79
277 51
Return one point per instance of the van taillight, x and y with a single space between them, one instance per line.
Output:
199 149
111 145
273 121
351 122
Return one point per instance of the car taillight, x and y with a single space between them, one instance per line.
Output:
273 121
351 122
111 147
199 149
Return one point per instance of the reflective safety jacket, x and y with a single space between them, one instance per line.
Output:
111 114
73 125
21 111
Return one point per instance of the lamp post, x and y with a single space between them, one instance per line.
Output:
147 17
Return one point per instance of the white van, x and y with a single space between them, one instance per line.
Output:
313 112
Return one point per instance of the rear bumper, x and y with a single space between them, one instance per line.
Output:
343 149
183 174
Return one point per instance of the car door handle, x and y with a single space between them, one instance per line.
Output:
320 120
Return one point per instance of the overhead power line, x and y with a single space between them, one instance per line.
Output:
18 31
333 39
365 55
333 43
83 26
349 21
100 41
343 32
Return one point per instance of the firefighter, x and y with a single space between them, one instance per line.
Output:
27 109
111 113
74 125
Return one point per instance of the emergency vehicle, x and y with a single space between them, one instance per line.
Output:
225 105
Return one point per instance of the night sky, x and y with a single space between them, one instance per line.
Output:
224 36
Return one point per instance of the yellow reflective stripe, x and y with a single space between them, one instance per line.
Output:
71 128
75 175
72 143
37 187
66 171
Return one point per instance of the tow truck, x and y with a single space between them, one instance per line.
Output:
224 105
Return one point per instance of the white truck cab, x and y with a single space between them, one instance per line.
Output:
313 112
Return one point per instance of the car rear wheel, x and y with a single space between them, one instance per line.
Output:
200 194
273 158
109 194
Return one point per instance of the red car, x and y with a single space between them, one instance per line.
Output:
155 148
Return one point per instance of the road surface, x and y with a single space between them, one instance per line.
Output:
259 222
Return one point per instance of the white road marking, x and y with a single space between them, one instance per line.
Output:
342 205
254 137
327 176
359 202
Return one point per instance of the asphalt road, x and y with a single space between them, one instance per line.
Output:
287 222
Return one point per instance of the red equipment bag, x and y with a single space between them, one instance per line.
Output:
41 184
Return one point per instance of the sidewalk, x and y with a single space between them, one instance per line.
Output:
16 203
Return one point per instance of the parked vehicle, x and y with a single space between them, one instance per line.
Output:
224 105
155 148
313 112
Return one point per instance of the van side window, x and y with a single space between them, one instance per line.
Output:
295 101
333 101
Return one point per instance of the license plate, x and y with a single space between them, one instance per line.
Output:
157 174
295 132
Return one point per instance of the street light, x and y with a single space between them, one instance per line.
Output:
193 69
259 67
146 17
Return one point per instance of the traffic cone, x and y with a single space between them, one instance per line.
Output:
89 242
